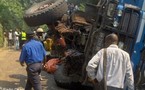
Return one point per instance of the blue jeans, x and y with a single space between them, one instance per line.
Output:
17 44
33 80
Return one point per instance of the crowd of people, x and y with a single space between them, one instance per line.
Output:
14 38
18 38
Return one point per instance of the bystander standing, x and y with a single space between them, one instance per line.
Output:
16 39
10 38
118 66
5 39
22 38
33 54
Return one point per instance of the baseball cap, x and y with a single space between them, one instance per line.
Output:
39 30
30 33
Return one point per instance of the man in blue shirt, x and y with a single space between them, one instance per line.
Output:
33 54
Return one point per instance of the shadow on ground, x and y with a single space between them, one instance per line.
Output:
5 85
21 79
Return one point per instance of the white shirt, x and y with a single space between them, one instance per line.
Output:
118 67
10 36
16 35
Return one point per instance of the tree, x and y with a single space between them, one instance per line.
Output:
11 13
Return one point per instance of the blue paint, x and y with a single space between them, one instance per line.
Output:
138 3
136 54
139 45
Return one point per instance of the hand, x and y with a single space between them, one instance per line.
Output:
92 81
22 64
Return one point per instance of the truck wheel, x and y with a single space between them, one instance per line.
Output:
46 12
61 79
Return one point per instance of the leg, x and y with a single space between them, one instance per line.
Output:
28 85
17 44
8 42
36 82
34 71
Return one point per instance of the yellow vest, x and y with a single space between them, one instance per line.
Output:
23 36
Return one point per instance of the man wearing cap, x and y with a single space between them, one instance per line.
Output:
39 33
39 37
33 54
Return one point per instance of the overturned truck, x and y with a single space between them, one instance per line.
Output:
84 32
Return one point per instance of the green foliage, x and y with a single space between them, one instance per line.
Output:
82 7
11 14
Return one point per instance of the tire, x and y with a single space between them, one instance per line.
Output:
61 79
37 14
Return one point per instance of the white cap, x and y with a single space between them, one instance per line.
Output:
39 30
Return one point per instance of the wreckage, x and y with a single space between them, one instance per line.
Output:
84 33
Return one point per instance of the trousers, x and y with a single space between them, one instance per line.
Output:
33 80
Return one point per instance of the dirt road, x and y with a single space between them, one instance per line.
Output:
13 76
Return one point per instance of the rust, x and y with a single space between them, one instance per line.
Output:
61 28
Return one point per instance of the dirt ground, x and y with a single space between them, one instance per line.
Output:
13 76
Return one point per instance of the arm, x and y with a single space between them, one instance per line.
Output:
129 74
44 54
92 66
16 33
22 57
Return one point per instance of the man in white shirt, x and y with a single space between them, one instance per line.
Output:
10 38
16 38
119 67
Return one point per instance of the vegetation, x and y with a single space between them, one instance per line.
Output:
11 13
11 16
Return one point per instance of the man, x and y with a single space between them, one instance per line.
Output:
10 39
22 38
39 34
5 39
16 38
118 66
33 54
39 37
48 44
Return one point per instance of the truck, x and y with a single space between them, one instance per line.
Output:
84 33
